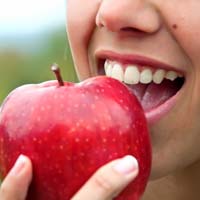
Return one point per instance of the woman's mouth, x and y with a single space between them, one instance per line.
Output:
157 86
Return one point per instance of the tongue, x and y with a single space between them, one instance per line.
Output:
153 95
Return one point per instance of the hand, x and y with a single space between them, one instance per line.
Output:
109 180
105 184
16 183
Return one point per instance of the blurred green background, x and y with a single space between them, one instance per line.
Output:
26 58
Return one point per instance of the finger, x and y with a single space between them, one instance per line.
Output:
109 180
15 185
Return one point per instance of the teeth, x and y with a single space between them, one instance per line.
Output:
134 74
171 75
108 68
117 72
158 76
146 76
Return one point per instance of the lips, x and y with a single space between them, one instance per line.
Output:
156 85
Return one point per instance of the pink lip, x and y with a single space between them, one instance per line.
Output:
157 113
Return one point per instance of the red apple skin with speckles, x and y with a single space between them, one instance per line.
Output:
70 131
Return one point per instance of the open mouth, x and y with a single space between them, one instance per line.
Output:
155 86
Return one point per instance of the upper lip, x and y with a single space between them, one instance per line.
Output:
134 59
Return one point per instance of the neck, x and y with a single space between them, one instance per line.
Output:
182 185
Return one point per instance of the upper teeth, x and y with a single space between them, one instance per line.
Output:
133 74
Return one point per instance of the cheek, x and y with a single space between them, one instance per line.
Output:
185 25
80 25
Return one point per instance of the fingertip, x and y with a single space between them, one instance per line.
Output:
127 165
21 163
109 180
22 170
16 183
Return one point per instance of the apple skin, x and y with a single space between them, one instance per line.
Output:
70 131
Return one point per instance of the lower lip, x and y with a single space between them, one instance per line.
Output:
157 113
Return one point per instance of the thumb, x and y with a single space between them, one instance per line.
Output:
109 180
15 185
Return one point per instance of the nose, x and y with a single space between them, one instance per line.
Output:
128 15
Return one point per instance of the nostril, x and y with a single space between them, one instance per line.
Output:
130 29
131 32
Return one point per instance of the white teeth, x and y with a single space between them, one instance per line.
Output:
106 65
117 72
158 76
146 76
134 74
171 75
108 68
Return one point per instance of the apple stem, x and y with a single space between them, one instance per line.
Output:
56 71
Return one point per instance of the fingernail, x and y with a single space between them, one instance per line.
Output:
126 165
19 165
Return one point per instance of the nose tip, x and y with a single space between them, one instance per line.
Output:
118 15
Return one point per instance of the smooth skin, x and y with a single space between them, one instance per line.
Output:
167 31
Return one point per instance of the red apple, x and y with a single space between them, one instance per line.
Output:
69 130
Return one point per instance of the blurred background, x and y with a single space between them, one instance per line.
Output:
32 37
